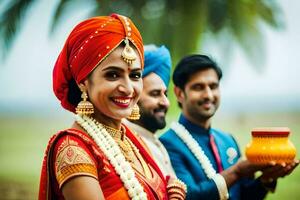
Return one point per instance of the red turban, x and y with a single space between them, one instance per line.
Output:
88 44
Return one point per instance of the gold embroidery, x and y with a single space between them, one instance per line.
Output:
75 170
72 160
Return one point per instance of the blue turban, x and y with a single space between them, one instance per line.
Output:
158 61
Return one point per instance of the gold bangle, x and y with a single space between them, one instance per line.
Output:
176 196
177 184
176 191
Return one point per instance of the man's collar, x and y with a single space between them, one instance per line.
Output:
192 127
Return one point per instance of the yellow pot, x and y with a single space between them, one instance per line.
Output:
270 145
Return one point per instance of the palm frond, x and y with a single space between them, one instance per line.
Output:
271 14
179 24
217 15
11 21
58 13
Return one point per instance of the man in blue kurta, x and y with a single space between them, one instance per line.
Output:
207 159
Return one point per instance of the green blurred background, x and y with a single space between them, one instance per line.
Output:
255 42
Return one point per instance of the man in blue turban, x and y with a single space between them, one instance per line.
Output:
154 104
158 61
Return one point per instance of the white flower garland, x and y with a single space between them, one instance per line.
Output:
205 163
112 151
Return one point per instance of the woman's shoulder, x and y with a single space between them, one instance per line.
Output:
74 154
70 142
76 141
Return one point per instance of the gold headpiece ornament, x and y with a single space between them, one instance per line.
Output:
128 54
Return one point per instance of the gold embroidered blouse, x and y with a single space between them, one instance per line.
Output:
72 158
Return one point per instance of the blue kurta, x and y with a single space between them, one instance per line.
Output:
189 170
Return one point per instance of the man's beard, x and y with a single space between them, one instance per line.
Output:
152 122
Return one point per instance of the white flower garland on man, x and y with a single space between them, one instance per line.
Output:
198 152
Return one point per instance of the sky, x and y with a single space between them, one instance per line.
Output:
26 83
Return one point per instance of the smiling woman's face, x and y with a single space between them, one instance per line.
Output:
114 87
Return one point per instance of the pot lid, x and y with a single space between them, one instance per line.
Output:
270 131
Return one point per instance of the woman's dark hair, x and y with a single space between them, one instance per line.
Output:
74 94
190 65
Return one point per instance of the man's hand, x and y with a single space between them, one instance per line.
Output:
275 171
242 169
246 169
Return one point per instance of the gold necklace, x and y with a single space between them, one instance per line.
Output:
122 141
144 165
127 147
115 133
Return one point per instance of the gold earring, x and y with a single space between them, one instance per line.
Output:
135 113
84 107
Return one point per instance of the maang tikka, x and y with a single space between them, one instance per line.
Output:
128 54
84 107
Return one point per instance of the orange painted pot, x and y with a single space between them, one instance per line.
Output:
270 145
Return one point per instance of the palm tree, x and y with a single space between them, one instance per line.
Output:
180 24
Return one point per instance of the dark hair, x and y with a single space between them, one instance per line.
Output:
74 94
190 65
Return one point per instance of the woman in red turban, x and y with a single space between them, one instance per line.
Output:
98 76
